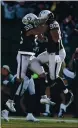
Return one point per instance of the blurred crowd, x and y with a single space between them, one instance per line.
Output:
65 14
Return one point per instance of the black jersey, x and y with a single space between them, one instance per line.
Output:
26 42
51 45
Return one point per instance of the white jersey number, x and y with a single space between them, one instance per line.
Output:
54 25
28 27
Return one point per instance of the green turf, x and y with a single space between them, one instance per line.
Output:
41 124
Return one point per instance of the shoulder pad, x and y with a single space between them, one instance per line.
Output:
28 27
54 25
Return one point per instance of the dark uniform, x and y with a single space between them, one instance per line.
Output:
26 54
26 42
53 49
52 46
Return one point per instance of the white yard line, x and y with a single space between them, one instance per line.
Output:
47 120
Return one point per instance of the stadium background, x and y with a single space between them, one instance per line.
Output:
65 13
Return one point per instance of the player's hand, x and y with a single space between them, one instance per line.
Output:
57 59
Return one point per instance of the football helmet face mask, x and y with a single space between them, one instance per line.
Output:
46 14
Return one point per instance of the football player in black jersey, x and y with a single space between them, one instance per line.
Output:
55 53
26 58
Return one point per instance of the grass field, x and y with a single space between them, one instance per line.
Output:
44 123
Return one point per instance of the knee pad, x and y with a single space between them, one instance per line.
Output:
36 67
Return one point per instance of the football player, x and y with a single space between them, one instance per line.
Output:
55 53
25 57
